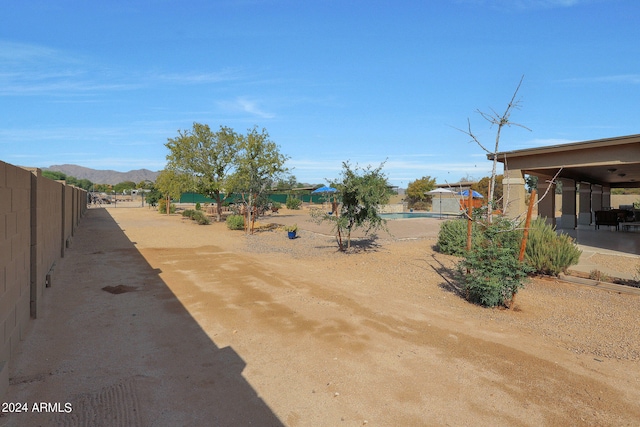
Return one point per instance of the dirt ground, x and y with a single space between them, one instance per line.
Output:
152 320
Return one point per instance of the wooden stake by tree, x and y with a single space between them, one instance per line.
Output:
469 219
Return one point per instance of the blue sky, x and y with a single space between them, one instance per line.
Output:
104 84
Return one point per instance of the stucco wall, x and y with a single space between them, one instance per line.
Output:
624 199
34 228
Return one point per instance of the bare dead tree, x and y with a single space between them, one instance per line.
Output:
499 120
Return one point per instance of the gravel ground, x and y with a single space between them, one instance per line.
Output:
624 264
584 320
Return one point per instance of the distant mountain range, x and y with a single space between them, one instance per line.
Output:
104 176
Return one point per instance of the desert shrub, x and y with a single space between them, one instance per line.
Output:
162 206
197 216
452 237
200 218
599 276
420 205
198 207
491 273
506 233
548 252
235 222
293 202
276 205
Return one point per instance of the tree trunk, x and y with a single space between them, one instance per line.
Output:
218 206
525 236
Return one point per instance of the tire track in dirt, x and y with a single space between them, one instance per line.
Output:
114 406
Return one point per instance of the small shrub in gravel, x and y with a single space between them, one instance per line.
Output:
452 237
491 273
201 218
599 276
549 252
293 203
197 216
235 222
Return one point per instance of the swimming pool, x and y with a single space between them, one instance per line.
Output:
405 215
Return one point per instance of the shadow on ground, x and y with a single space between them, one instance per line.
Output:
451 282
117 347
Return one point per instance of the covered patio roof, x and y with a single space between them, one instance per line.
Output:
612 162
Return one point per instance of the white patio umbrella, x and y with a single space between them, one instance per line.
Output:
440 191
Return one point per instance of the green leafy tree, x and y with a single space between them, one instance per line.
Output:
54 175
416 190
153 196
145 185
124 186
85 184
171 185
207 157
362 191
259 165
531 181
285 184
483 187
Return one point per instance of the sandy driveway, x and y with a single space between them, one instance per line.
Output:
155 321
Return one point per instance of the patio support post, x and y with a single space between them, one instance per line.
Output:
513 193
547 201
606 196
596 197
584 202
568 218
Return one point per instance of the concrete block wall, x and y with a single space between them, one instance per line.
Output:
34 230
15 258
47 236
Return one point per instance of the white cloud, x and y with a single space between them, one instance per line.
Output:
199 78
246 105
18 53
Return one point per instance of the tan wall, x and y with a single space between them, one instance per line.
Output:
15 248
47 229
32 239
624 199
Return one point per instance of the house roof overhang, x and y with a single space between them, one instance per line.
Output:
614 162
